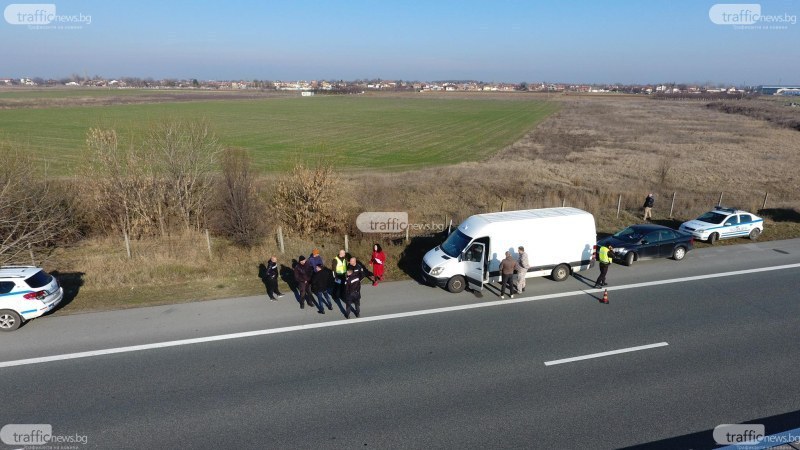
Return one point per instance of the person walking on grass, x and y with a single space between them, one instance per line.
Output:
605 262
321 281
352 297
377 262
302 276
522 269
649 201
272 279
506 275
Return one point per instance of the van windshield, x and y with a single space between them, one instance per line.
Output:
455 244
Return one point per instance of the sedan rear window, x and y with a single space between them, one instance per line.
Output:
39 279
712 217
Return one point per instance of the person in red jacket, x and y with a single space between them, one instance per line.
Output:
377 262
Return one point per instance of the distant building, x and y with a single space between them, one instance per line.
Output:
773 90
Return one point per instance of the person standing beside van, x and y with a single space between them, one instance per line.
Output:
506 275
522 269
605 261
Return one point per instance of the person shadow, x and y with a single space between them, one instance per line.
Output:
262 274
287 275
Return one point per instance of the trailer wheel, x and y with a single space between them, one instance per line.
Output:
456 284
560 273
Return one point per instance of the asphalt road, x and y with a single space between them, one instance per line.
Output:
473 377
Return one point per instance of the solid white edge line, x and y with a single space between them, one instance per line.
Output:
602 354
222 337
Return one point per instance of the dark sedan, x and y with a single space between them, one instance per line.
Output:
648 242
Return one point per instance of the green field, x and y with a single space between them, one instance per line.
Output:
349 132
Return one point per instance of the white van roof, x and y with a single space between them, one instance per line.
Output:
528 214
479 221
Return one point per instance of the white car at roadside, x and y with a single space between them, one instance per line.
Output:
723 223
26 292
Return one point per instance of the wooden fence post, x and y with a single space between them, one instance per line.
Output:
280 239
764 206
208 243
502 206
30 250
719 203
619 205
672 206
346 244
563 202
127 244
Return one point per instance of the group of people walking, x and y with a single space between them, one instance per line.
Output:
320 286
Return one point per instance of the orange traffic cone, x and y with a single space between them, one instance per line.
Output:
605 297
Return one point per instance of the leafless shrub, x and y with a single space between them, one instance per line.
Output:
312 200
35 213
664 168
238 212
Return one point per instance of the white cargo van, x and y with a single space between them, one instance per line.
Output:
558 241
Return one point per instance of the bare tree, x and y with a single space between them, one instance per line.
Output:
35 213
239 212
184 152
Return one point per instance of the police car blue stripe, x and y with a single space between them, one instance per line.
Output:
28 311
15 293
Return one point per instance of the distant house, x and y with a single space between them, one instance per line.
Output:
307 94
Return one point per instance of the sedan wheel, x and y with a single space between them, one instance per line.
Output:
679 254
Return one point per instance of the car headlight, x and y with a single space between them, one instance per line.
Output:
620 250
437 270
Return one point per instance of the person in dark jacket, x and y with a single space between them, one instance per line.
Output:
358 268
321 281
352 295
272 279
507 267
314 259
302 276
649 201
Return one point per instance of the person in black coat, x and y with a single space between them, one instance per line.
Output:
302 276
352 297
271 279
321 281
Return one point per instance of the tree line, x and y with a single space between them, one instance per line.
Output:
175 176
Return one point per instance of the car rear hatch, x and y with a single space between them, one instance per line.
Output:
46 286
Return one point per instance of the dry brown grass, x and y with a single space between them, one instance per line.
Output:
593 151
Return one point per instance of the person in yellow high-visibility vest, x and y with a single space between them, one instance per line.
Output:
605 261
339 268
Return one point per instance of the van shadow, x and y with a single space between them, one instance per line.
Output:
71 282
780 214
410 261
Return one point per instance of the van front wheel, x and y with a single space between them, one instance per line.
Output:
560 273
456 284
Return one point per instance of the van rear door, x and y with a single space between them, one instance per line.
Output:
473 260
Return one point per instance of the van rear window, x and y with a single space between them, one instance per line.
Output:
39 279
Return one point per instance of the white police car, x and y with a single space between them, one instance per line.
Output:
722 223
26 292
